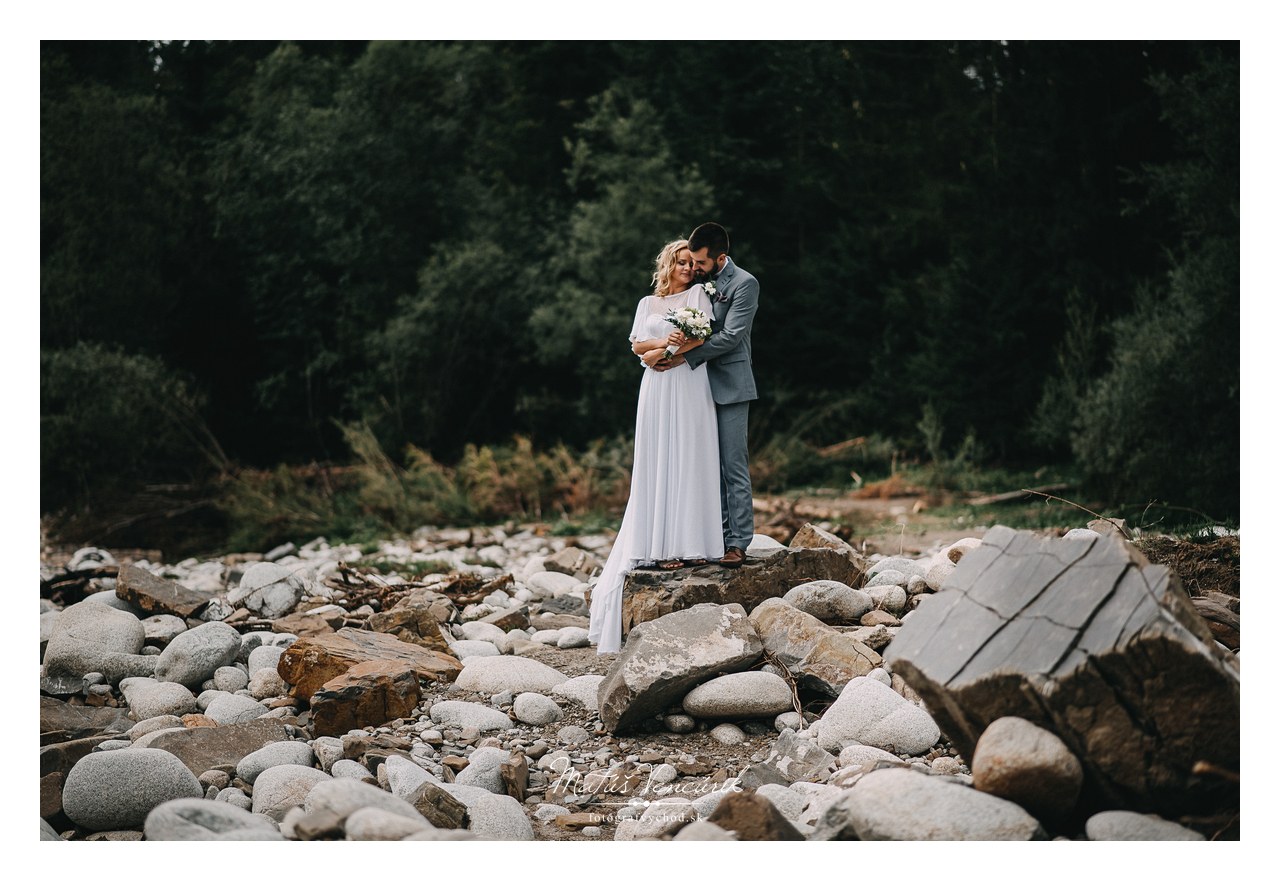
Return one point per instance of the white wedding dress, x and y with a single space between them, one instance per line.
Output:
673 512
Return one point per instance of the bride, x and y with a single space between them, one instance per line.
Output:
673 513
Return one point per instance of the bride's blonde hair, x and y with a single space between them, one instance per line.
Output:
665 262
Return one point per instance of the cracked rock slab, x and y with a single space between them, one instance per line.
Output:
1093 643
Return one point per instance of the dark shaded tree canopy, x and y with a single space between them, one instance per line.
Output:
1035 241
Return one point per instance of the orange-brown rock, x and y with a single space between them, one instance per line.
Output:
415 624
198 720
515 775
440 605
300 624
879 616
370 693
440 808
754 818
580 821
51 794
313 660
509 619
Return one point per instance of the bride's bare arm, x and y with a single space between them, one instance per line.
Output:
639 347
656 356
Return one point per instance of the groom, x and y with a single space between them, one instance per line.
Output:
727 354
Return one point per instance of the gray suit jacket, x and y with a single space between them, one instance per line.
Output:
727 352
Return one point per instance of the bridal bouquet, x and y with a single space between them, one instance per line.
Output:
692 322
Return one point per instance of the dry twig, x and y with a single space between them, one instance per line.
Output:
791 682
1118 524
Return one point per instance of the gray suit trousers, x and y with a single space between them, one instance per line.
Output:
737 518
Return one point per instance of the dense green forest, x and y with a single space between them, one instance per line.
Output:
260 253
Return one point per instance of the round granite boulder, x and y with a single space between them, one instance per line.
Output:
118 789
508 673
739 696
872 713
829 601
269 590
227 709
465 714
277 789
192 657
87 636
148 698
202 819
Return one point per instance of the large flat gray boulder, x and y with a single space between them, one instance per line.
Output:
1088 640
662 660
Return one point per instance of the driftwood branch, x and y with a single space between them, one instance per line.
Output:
1018 494
62 579
837 449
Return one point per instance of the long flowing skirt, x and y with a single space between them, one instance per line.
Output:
673 511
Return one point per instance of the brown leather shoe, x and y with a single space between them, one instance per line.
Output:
733 558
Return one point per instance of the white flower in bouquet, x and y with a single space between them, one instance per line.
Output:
690 321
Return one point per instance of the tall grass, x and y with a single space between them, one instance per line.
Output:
376 495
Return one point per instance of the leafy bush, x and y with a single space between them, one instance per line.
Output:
111 422
1164 421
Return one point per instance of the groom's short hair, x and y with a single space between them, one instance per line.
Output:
711 236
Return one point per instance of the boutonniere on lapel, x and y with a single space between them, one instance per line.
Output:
714 295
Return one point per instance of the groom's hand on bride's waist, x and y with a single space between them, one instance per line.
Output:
669 363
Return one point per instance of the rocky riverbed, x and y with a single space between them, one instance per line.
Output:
441 687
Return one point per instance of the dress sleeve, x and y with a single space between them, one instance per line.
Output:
637 326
